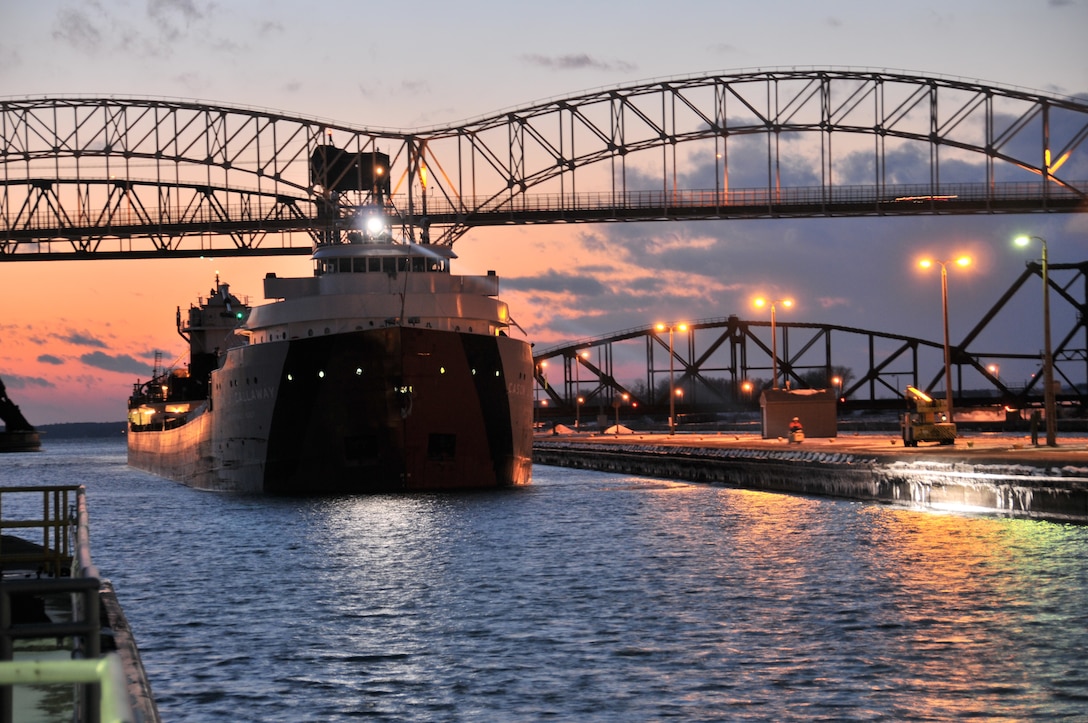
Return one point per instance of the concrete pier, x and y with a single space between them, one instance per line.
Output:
982 473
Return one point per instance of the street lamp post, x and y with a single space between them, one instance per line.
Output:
925 264
542 384
672 387
774 335
578 388
617 402
1049 402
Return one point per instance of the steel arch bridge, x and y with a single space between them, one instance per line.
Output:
139 177
720 363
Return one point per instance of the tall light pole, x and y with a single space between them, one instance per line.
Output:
672 386
761 302
542 384
1049 403
617 402
925 264
578 387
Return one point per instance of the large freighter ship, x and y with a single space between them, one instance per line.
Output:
381 372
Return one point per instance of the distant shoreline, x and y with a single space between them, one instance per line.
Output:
78 430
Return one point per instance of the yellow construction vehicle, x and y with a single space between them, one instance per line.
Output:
928 420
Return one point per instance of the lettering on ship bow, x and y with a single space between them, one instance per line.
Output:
242 396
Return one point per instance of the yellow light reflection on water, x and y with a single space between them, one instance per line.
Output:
934 599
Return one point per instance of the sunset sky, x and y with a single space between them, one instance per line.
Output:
75 336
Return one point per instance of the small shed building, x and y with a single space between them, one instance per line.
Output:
816 408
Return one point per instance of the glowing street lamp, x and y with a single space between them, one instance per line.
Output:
746 387
617 402
761 302
681 327
1049 402
962 261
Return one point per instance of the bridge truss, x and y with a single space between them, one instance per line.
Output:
723 364
140 178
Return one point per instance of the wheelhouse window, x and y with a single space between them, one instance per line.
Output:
380 264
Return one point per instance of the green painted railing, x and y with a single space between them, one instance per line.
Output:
113 706
101 693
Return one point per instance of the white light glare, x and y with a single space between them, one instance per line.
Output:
375 225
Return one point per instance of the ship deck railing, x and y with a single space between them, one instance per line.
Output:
53 603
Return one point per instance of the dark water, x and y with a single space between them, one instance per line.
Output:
584 597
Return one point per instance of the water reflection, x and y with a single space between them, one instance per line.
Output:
588 597
968 596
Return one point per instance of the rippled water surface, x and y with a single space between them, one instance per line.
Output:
583 597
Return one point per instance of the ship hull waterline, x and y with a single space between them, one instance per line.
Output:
391 409
20 441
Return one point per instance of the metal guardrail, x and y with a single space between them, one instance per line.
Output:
105 672
101 691
252 209
53 553
84 629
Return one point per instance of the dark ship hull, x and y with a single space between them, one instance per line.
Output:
18 435
392 409
22 441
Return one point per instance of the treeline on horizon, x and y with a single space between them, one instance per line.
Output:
70 430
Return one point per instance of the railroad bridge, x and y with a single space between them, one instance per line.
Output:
723 364
85 178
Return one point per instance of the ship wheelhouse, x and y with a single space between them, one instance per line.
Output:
364 285
381 258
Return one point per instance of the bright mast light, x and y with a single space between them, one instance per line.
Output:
375 224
